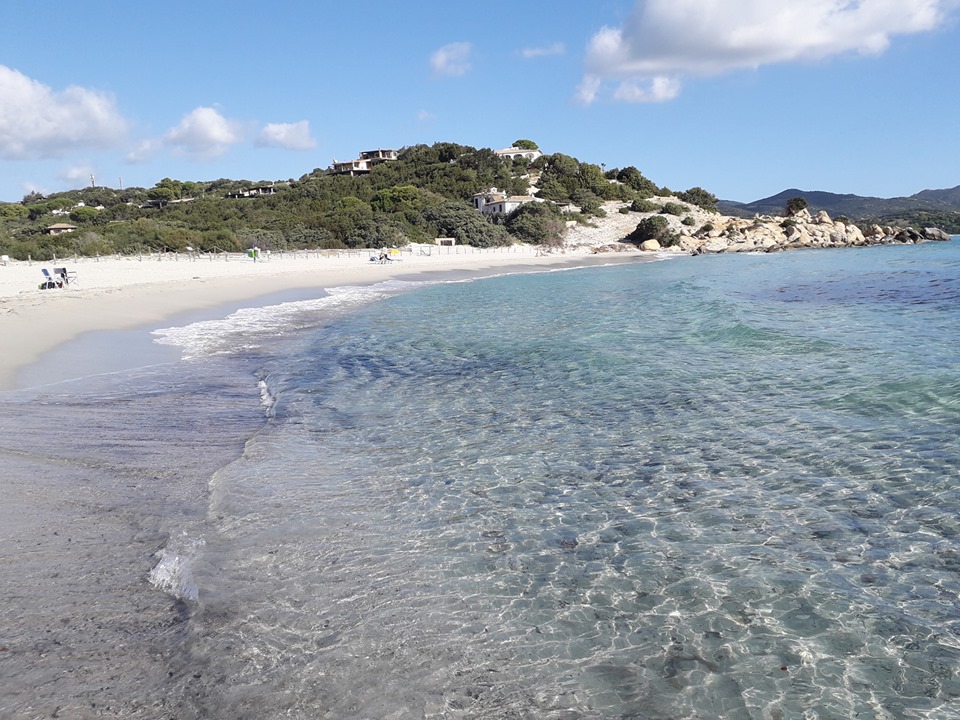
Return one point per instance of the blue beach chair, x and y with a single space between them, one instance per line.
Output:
49 281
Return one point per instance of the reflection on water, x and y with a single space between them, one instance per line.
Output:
716 487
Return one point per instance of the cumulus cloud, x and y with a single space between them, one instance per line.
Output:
143 152
555 49
204 133
665 40
76 174
452 59
588 89
290 136
39 122
659 89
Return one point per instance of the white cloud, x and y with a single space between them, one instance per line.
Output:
425 116
204 133
452 59
588 88
76 174
39 122
664 39
291 136
555 49
143 152
657 89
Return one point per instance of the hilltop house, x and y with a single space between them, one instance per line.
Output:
362 165
512 153
494 201
259 191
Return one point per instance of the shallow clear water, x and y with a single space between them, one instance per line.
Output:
710 487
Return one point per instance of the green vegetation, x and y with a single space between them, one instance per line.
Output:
536 223
794 206
699 197
946 220
426 193
634 179
656 228
672 208
644 206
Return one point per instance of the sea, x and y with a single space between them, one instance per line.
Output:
704 487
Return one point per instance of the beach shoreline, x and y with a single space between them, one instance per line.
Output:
120 293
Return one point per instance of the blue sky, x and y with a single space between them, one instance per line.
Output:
742 97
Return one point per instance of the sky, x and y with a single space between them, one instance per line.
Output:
745 98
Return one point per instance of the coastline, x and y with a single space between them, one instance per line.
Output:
124 293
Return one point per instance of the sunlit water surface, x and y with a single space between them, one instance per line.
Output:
715 487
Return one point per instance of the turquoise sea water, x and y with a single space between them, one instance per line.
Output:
713 487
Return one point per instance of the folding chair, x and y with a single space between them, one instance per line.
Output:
49 281
66 277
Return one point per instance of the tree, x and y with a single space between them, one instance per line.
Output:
162 195
457 220
699 197
12 211
634 179
795 205
536 223
526 145
175 187
83 214
591 178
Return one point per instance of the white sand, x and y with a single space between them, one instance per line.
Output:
123 292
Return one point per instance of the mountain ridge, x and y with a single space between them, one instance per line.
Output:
934 206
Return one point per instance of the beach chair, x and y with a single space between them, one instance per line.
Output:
49 281
66 277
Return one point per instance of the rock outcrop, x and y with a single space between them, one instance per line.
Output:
770 234
700 232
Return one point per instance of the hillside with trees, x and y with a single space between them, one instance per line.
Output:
426 193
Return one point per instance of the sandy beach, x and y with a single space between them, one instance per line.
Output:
126 292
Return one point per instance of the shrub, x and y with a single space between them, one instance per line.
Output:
795 205
536 223
654 228
689 221
699 197
672 208
642 205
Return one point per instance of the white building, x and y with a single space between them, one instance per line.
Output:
512 153
494 201
367 160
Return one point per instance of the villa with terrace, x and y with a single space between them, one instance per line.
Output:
362 165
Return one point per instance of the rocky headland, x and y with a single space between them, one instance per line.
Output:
697 231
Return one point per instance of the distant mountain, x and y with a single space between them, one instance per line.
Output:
951 196
854 207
